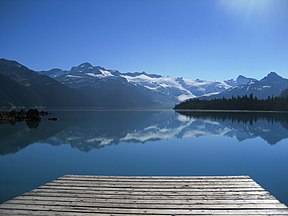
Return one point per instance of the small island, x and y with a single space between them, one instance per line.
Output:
17 116
236 103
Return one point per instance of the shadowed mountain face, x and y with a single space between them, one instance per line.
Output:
87 130
13 93
284 93
21 86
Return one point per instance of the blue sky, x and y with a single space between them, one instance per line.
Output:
206 39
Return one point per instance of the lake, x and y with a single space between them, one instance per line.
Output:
145 143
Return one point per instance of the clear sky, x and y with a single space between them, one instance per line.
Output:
205 39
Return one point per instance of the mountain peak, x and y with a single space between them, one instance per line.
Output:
151 75
134 74
82 67
272 76
85 65
8 65
242 80
7 62
241 77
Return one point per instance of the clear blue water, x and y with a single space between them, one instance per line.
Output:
144 143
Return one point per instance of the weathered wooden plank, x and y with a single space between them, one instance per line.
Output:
147 197
152 193
152 186
161 177
89 188
159 180
125 210
151 201
155 184
168 183
140 205
64 213
156 179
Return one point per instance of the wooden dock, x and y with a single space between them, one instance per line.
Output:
146 195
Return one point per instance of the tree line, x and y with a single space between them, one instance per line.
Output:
237 103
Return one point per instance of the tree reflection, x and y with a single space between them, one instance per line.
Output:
33 123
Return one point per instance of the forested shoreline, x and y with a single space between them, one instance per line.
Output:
237 103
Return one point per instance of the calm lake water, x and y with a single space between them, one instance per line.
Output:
145 143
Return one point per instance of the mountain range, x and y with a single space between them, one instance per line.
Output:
163 91
94 86
270 85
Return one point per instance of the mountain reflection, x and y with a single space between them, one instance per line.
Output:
86 130
271 127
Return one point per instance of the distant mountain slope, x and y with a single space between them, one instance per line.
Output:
271 85
23 87
106 88
284 93
160 90
115 94
13 93
241 80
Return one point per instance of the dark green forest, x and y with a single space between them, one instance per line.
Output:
237 103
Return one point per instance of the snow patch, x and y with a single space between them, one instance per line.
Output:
92 75
210 94
73 76
183 118
103 141
158 82
152 127
184 97
151 88
105 73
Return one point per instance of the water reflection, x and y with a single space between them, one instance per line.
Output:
271 127
88 130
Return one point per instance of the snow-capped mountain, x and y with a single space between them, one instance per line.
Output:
83 75
203 88
94 86
241 80
161 89
271 85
